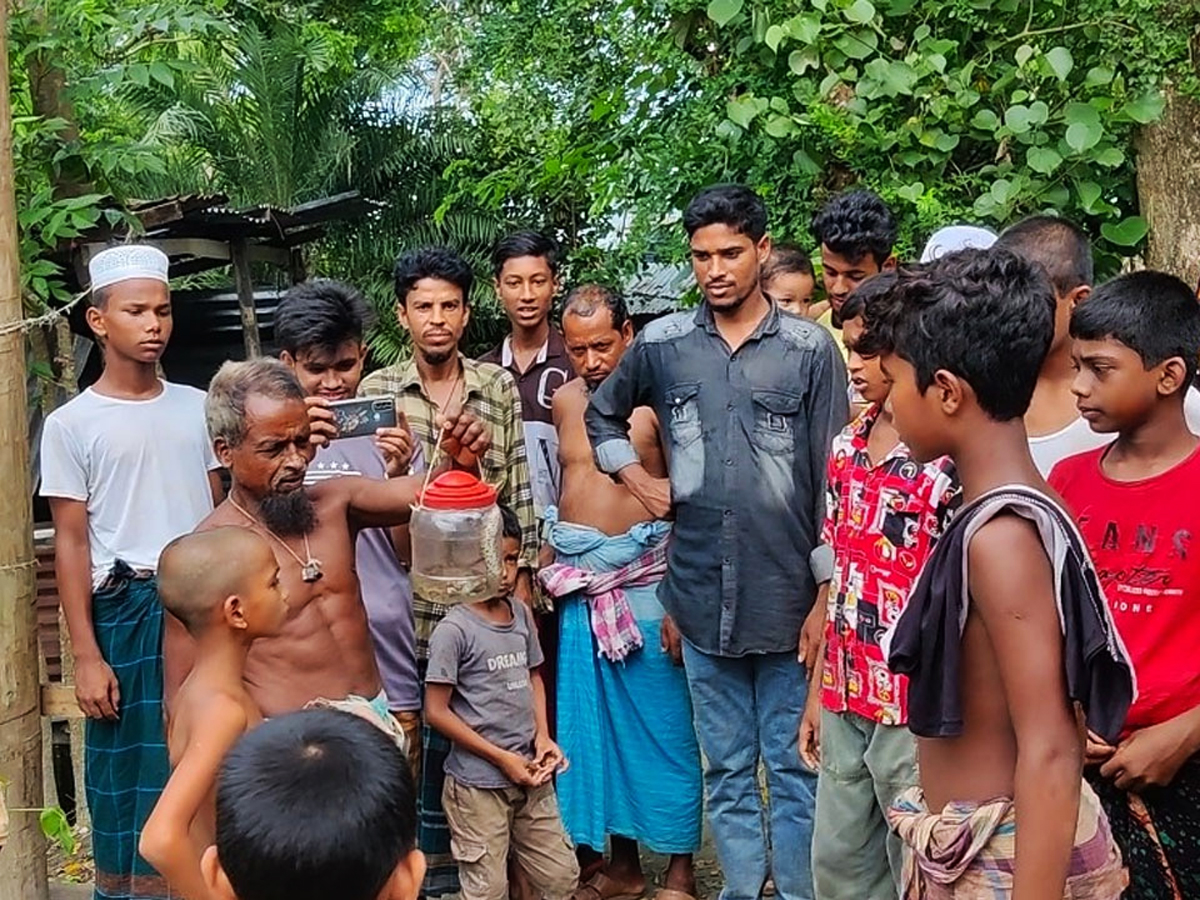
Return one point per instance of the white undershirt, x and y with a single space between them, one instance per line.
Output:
1050 449
140 465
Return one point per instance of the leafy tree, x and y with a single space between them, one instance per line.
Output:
76 139
980 110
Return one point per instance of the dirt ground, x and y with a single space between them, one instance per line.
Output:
71 876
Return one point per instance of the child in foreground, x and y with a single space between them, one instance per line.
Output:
1005 635
484 693
883 513
223 585
315 805
1136 344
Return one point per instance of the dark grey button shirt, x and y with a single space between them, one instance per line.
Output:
748 435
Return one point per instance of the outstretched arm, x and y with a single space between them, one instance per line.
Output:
1012 584
384 504
167 842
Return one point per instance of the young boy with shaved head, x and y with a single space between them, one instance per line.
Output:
223 585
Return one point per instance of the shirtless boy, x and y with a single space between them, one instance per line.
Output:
262 433
605 539
223 585
995 684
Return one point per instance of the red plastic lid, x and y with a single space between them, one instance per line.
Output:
457 490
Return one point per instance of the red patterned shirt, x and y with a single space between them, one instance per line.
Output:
882 521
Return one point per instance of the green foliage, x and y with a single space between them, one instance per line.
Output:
76 142
51 819
954 110
55 827
270 116
594 120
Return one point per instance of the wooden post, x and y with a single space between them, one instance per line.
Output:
23 857
296 270
245 291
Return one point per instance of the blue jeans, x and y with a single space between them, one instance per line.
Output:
748 709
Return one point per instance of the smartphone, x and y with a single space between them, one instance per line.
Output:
360 417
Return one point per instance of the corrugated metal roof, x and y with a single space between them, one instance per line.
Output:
658 289
209 216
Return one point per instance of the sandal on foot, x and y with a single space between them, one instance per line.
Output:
601 887
672 894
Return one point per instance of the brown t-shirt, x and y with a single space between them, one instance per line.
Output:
550 370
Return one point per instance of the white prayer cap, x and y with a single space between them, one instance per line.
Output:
957 237
127 262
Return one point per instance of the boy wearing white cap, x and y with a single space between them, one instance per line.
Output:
127 467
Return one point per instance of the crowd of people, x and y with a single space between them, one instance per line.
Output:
888 585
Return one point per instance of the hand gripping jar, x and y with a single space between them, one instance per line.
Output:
455 530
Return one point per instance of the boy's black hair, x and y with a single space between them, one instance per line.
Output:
1152 313
525 243
511 525
320 314
864 297
312 805
987 316
442 263
856 223
787 258
587 298
734 205
1058 245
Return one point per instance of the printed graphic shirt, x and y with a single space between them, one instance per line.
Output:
549 371
1140 535
882 521
488 665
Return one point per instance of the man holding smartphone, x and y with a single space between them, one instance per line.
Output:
319 328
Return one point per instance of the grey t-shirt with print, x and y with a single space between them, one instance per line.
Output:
488 664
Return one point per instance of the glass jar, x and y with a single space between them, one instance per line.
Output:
456 547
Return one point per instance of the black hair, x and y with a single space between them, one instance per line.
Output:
1152 313
854 224
525 243
511 525
311 805
787 258
734 205
877 285
1058 245
587 298
986 316
442 263
320 314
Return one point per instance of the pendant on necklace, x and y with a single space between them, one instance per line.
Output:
311 570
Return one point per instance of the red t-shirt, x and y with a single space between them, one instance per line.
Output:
1140 536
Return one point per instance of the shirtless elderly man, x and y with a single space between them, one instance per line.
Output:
262 432
624 713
